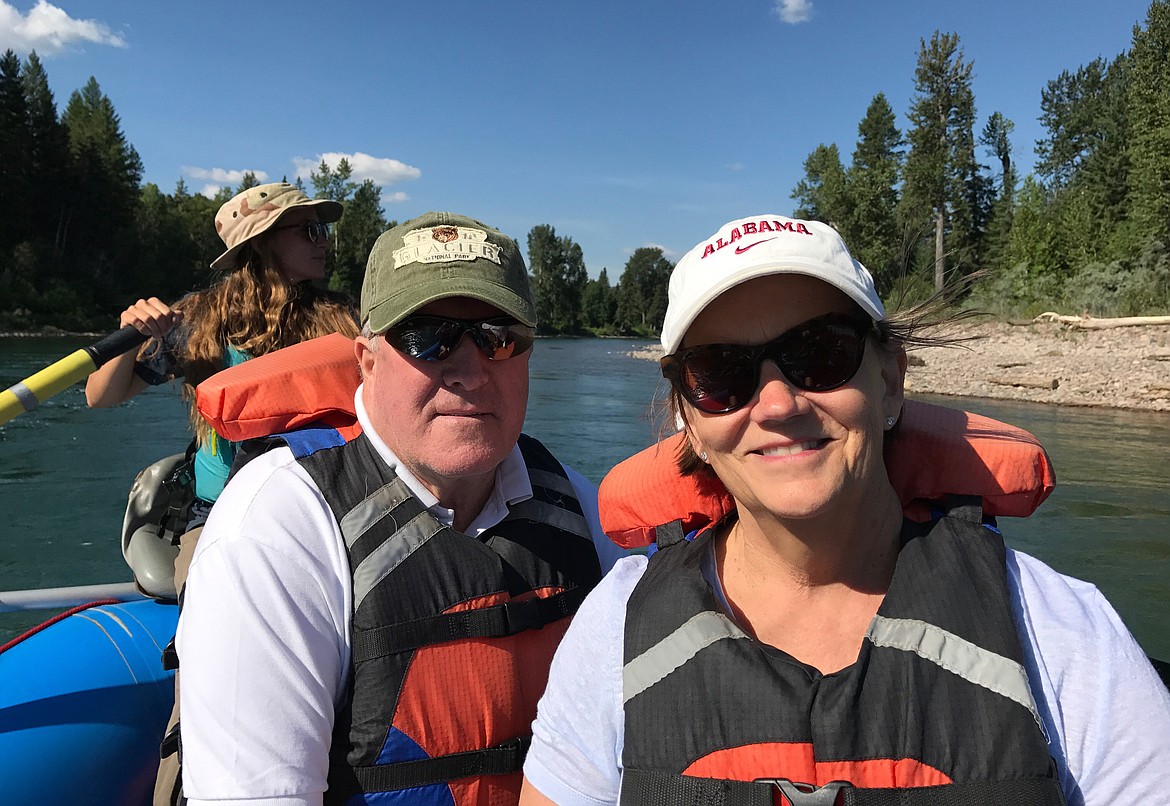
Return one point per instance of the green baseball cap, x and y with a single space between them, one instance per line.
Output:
440 255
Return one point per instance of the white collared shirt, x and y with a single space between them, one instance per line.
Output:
264 638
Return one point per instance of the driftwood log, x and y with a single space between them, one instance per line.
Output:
1027 381
1093 323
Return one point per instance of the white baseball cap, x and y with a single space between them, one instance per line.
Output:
758 246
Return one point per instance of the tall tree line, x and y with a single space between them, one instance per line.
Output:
1087 231
81 237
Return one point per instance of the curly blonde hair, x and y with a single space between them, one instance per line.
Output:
256 310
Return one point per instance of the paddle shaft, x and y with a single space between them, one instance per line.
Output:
57 598
58 376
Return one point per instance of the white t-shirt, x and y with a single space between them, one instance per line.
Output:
1104 707
264 635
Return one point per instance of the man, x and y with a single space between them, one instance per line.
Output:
379 615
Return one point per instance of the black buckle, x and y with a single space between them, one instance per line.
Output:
808 795
524 615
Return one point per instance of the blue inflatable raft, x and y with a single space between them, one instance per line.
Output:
83 706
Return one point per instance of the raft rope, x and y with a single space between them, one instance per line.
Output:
45 625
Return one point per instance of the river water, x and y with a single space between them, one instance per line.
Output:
65 471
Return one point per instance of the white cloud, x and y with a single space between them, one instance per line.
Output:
670 254
211 190
49 30
382 170
794 11
222 175
395 198
735 167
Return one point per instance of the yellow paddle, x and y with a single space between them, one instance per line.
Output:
60 375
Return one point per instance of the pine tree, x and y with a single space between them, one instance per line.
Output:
872 183
558 279
107 171
15 144
1149 126
996 138
354 235
642 292
944 190
822 194
48 155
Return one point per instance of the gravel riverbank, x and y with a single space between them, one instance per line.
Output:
1123 367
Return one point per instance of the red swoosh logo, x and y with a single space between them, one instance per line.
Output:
739 250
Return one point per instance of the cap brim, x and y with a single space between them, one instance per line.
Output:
698 305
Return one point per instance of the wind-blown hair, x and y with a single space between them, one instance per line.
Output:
255 310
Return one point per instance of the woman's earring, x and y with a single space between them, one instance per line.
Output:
703 456
890 422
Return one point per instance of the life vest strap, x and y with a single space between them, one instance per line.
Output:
665 789
502 759
497 621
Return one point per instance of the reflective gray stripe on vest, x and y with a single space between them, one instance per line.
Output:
551 481
544 512
390 554
372 509
957 655
675 650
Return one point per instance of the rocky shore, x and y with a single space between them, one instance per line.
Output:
1123 367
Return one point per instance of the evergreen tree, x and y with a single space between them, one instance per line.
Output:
1149 126
98 230
15 144
642 292
996 138
354 236
48 155
344 264
944 190
872 183
1085 162
822 194
558 279
248 180
599 302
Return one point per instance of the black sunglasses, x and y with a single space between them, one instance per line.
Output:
311 229
434 338
816 356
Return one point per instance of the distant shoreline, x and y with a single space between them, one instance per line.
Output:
1121 368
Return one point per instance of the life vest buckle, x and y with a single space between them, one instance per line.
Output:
798 794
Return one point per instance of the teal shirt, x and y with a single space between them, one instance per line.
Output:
214 461
161 364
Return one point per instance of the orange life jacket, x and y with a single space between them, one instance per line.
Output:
935 452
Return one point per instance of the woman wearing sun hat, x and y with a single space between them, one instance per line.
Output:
276 239
813 646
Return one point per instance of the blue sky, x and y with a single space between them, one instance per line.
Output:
621 124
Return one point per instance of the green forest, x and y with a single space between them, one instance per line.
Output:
927 206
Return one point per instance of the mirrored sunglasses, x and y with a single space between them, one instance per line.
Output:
434 338
313 230
816 356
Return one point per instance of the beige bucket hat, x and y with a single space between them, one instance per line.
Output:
256 210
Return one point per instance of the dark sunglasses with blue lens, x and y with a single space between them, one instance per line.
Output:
313 230
434 338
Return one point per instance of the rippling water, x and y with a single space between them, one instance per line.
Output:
65 471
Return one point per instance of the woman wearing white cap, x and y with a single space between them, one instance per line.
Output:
276 240
813 647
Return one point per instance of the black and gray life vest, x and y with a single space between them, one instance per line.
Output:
452 635
936 710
